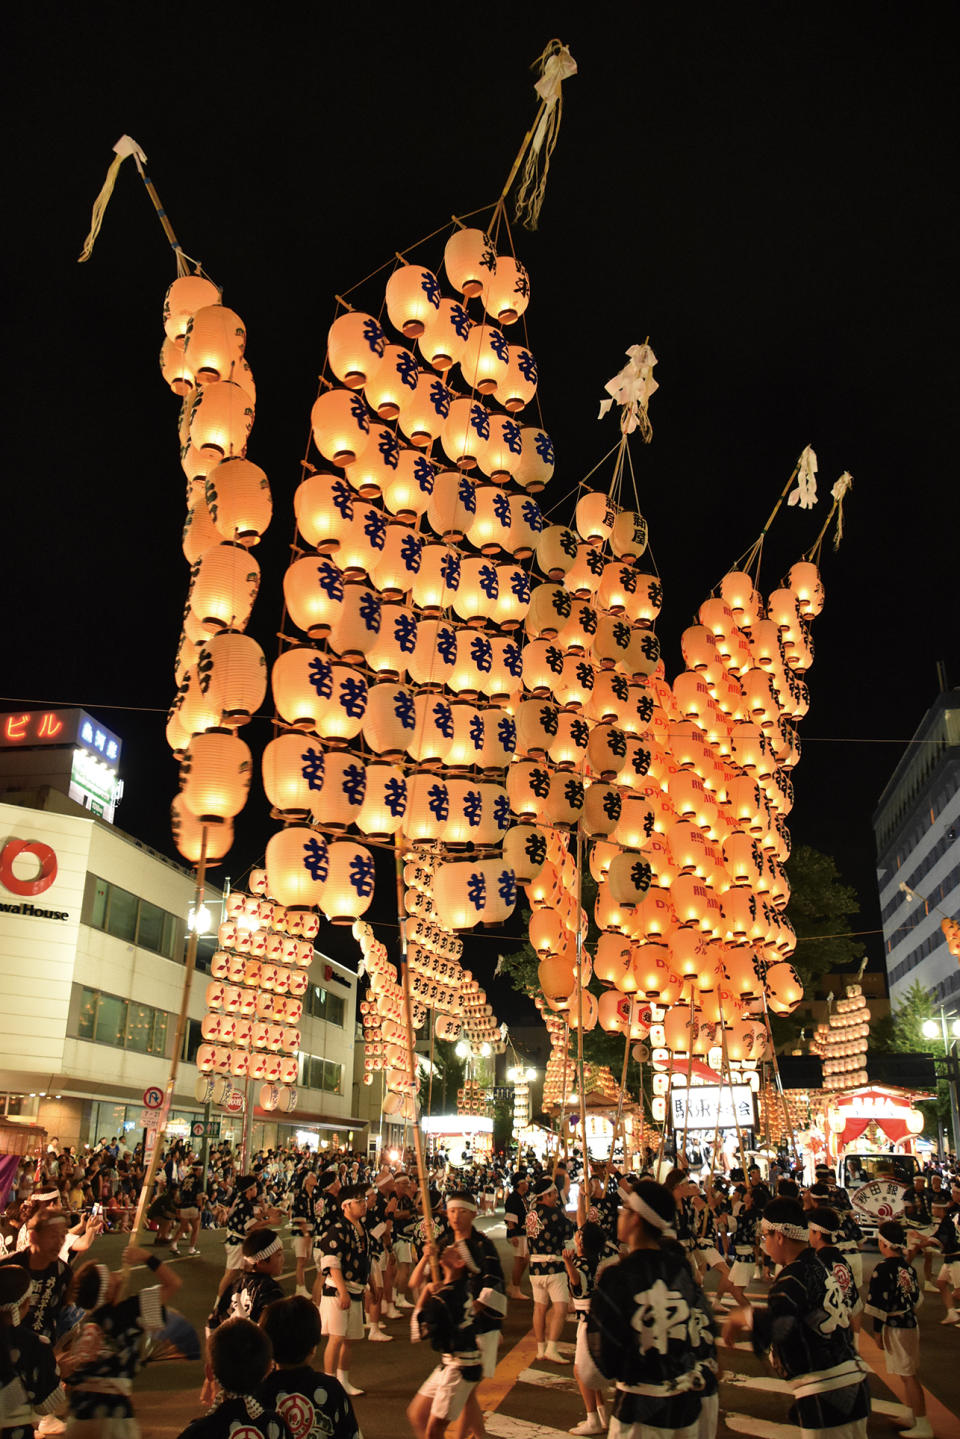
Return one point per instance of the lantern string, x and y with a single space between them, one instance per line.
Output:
455 220
555 64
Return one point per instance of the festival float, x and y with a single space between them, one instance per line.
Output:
469 701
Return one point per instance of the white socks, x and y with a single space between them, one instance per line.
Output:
344 1378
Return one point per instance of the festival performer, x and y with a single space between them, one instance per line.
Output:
50 1274
650 1327
805 1326
108 1352
303 1222
343 1275
603 1202
704 1252
240 1358
486 1288
515 1213
192 1200
29 1382
823 1224
893 1299
946 1237
593 1251
244 1217
377 1227
444 1315
919 1218
316 1406
549 1233
254 1286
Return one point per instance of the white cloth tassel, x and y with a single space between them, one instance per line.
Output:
839 493
805 495
556 65
631 389
125 146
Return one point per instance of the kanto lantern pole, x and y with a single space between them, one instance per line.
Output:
583 1101
788 1123
191 960
408 1022
622 1095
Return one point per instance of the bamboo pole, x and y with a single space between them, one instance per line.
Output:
433 1034
190 965
623 1085
583 1100
527 140
788 1124
408 1022
686 1112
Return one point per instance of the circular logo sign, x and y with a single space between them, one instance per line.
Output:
234 1102
44 855
196 1129
880 1200
152 1097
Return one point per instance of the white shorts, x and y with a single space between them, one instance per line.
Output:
234 1256
343 1323
703 1428
447 1390
952 1272
855 1259
741 1272
302 1246
901 1349
403 1251
550 1288
488 1344
709 1255
191 1212
521 1249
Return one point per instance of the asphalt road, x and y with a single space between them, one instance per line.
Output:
530 1398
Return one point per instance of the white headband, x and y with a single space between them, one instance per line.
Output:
789 1231
104 1274
641 1207
461 1204
265 1253
47 1196
14 1304
820 1228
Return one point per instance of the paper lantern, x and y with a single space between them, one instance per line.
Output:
323 503
392 382
465 431
470 260
337 803
628 878
196 709
557 549
434 656
214 342
216 772
507 293
384 803
340 423
343 694
524 849
805 583
313 592
221 419
175 368
389 719
186 295
224 588
783 987
239 501
628 535
297 865
425 412
412 298
407 487
518 385
483 361
537 460
232 668
355 346
445 335
737 591
607 750
356 624
199 532
293 774
302 684
585 1002
187 833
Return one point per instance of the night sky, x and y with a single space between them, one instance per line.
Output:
770 196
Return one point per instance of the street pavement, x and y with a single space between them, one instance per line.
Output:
530 1398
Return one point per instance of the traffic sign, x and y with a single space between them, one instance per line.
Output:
199 1130
149 1119
152 1097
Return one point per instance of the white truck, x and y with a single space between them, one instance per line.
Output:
878 1185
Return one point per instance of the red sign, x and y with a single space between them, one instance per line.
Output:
34 727
41 852
234 1102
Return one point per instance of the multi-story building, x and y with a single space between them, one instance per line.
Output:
917 829
93 930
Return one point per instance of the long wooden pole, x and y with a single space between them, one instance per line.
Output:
620 1098
408 1022
580 1084
191 961
788 1124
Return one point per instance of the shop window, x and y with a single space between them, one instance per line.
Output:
122 914
125 916
111 1020
108 1019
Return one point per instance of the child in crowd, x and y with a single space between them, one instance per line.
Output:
892 1300
240 1357
310 1402
582 1269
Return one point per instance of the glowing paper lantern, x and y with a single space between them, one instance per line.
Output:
221 420
293 772
412 299
232 668
470 260
355 346
188 831
224 588
297 865
216 771
238 497
184 297
214 343
341 426
507 294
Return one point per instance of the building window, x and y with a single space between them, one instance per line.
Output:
321 1074
108 1019
321 1004
118 912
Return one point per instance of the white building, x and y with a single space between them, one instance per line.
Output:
917 828
92 943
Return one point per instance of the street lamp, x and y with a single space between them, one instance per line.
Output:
199 920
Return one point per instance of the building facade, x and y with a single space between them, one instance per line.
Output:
93 929
917 830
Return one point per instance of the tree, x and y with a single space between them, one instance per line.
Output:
907 1020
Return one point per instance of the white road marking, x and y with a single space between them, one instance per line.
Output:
772 1385
546 1380
745 1424
504 1427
